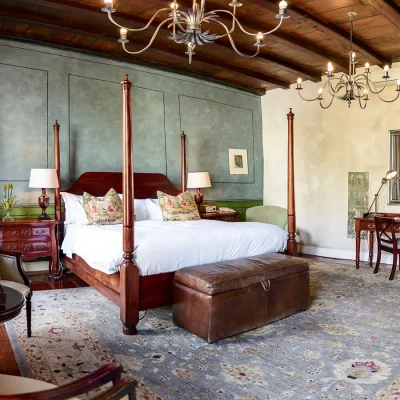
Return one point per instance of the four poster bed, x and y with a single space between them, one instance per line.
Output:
127 288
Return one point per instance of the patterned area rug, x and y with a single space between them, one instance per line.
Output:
346 346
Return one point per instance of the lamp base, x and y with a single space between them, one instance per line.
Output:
198 198
44 202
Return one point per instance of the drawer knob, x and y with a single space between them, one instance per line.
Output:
12 248
27 247
40 231
12 233
371 226
26 232
40 246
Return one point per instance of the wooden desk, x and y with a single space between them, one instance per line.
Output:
368 224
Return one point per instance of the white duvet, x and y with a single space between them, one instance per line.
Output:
168 246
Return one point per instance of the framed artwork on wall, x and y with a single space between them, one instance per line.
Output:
238 164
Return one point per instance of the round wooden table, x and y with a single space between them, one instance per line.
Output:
14 303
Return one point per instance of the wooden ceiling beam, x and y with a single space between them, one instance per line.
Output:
331 30
42 22
137 22
389 8
124 58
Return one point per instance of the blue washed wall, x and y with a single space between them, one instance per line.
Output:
39 85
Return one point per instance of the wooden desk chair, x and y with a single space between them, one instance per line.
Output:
12 274
122 388
387 241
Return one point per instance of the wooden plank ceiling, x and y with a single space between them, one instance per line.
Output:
316 33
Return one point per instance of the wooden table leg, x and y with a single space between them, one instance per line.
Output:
371 248
358 240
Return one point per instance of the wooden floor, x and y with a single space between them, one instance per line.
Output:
8 364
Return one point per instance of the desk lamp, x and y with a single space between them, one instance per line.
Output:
389 175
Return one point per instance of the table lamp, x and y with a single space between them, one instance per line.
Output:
198 180
389 175
43 179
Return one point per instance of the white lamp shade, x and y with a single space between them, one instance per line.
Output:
198 180
43 179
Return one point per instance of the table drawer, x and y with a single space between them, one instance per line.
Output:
26 247
21 232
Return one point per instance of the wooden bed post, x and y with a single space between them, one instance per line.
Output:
57 203
129 273
291 244
183 163
57 195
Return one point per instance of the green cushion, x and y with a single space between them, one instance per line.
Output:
268 214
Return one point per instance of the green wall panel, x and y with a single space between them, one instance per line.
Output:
40 85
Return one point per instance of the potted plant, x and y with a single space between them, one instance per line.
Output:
8 201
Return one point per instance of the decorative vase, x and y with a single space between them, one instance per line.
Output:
8 218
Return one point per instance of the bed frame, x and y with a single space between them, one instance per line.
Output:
131 292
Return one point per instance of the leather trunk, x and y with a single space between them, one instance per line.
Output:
218 300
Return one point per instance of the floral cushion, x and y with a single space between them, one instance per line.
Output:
107 211
178 208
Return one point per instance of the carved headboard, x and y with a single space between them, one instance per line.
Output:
145 184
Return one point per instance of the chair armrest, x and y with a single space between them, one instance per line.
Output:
11 268
102 376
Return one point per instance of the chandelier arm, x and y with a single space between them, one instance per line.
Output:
325 107
151 40
307 99
359 97
233 43
376 91
390 101
140 29
244 30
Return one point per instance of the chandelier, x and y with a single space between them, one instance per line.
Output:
186 27
351 87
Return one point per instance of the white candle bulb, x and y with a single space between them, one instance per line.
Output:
386 68
123 31
367 65
353 56
299 81
107 2
320 90
283 4
365 91
260 36
330 67
398 82
174 6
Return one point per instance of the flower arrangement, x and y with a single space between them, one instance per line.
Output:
8 201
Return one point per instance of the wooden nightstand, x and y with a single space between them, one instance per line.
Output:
32 238
219 216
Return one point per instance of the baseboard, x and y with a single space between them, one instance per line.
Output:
343 254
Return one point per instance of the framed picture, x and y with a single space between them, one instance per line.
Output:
238 164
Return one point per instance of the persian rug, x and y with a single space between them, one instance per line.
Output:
346 346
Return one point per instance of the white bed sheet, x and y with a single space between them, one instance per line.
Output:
168 246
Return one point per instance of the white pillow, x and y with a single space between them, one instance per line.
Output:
154 210
141 212
75 213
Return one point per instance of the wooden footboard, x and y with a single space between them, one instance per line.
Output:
154 290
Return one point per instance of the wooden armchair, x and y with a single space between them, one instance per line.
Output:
387 241
122 388
12 274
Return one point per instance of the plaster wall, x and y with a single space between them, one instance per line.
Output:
328 145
